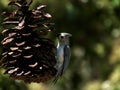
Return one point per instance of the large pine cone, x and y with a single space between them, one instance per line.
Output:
27 55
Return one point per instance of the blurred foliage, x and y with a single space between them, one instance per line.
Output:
9 84
95 44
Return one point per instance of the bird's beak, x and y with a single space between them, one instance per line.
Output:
58 35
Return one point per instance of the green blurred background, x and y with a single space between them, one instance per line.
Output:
95 44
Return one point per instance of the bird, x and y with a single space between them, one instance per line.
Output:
63 54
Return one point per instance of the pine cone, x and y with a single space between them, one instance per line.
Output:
27 54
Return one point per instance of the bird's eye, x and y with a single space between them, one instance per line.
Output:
61 37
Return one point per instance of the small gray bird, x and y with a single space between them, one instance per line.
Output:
63 54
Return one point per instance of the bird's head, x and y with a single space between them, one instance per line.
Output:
64 37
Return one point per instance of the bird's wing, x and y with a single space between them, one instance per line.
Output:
67 55
65 63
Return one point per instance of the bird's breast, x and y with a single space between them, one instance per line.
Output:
60 54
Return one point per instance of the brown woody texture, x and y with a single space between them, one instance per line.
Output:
27 54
